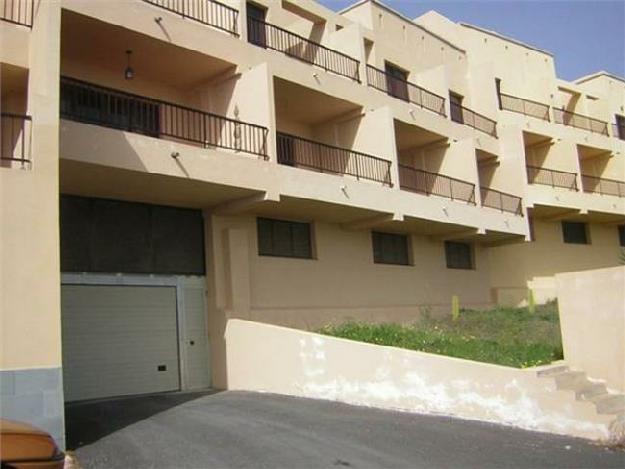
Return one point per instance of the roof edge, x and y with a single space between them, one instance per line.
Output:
506 38
598 74
404 18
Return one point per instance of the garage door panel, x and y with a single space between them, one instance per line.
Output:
197 338
115 338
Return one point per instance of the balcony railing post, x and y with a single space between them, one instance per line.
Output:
204 121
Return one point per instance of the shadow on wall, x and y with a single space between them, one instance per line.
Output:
87 422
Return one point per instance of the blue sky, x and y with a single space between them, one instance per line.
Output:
584 36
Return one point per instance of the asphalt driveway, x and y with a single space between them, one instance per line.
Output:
248 430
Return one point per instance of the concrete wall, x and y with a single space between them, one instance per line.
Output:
30 319
302 293
592 318
516 267
274 359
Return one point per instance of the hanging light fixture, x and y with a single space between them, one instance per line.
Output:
129 73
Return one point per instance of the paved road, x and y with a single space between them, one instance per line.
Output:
247 430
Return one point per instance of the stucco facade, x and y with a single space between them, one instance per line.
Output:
340 121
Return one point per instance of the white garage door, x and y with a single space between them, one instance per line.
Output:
119 340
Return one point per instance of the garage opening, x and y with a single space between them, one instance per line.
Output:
132 298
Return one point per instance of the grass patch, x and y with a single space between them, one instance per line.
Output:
504 336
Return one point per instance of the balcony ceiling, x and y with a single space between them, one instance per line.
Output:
89 45
530 138
296 103
13 80
411 136
586 152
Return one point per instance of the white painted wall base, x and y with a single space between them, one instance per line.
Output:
263 357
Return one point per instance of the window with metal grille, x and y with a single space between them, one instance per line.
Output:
390 248
101 235
458 255
575 232
284 238
621 235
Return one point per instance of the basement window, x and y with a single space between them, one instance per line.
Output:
390 248
459 255
282 238
575 232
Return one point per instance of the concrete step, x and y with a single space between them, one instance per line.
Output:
570 380
609 403
551 370
590 390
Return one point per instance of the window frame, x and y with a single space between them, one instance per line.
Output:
621 235
290 223
448 258
571 224
405 239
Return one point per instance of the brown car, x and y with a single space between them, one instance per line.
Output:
23 446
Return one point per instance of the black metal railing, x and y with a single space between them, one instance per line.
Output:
466 116
94 104
302 153
560 116
501 201
618 131
209 12
17 11
603 186
273 37
15 137
405 90
551 177
524 106
425 182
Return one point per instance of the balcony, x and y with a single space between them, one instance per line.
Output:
15 138
560 116
302 153
501 201
552 177
425 182
273 37
93 104
526 107
17 11
405 90
208 12
596 185
463 115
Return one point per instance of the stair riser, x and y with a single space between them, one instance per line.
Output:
556 370
589 394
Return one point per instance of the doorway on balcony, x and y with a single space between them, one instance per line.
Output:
396 81
256 26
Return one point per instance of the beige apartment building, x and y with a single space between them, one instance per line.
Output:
168 165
